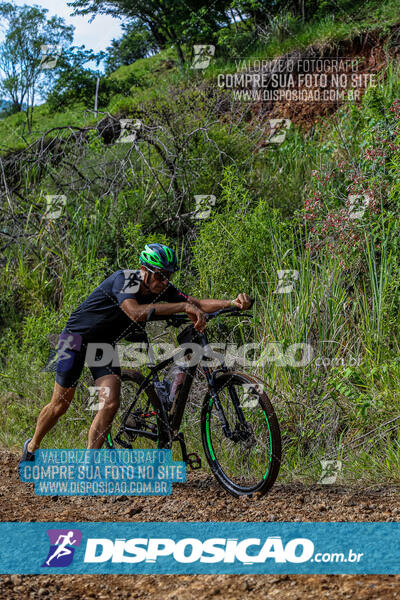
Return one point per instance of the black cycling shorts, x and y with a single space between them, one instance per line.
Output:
71 355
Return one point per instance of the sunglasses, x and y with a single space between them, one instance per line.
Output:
160 275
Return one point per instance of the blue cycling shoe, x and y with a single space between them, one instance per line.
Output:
26 455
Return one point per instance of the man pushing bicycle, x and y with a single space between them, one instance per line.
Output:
118 308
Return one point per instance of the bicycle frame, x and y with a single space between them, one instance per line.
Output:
170 424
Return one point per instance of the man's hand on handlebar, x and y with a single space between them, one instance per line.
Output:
197 316
243 301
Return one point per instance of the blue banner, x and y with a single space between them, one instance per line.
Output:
200 548
103 472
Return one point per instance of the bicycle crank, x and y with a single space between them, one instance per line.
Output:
192 459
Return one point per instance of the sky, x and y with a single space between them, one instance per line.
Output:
95 36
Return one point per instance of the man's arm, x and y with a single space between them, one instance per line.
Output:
139 312
209 305
193 307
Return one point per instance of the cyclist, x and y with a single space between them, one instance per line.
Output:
116 309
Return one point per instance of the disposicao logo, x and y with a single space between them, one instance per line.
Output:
190 550
62 546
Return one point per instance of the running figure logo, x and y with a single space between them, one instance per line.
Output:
61 551
62 359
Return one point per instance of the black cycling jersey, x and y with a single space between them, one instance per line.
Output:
100 318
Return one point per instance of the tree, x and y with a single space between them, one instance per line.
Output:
23 74
136 42
171 23
75 83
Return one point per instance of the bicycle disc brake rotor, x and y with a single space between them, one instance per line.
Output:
244 434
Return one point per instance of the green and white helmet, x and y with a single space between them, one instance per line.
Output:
160 257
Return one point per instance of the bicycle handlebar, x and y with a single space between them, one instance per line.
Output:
179 319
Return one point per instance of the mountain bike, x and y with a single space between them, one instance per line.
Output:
239 428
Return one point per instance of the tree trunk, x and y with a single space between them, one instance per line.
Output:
234 20
30 100
181 58
244 21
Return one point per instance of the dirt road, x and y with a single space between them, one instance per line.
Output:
189 502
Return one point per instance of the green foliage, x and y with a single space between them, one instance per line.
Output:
122 105
175 24
28 29
236 44
137 42
78 85
234 248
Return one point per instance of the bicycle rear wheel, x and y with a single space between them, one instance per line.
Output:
143 416
248 460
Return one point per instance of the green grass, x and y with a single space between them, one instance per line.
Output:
147 70
14 133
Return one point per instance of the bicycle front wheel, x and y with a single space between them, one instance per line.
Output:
246 458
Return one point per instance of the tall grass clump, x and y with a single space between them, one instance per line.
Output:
329 347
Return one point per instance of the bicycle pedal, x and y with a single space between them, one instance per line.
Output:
194 461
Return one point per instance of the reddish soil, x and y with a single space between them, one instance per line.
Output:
367 49
189 502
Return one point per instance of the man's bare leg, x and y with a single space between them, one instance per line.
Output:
58 405
108 398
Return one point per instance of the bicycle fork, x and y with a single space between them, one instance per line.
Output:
220 411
